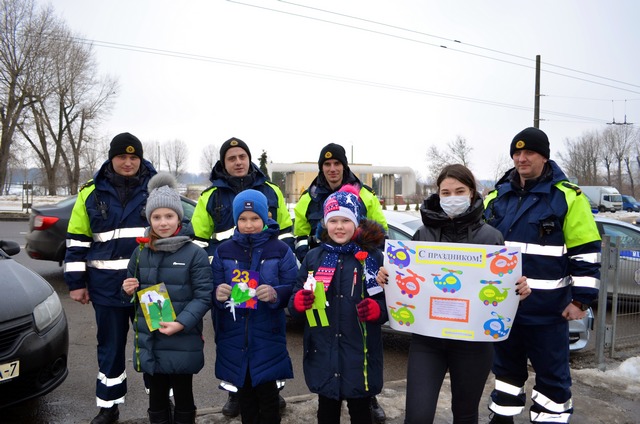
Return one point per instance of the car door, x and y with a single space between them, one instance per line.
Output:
629 251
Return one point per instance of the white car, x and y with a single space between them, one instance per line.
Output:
403 225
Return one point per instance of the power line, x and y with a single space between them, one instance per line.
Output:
448 39
202 58
436 45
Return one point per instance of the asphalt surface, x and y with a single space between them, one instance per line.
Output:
592 405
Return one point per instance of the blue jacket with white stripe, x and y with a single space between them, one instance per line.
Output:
551 221
106 219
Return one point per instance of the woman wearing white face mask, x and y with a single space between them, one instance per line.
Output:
453 215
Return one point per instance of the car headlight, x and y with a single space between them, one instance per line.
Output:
47 312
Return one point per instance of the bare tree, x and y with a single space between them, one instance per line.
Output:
92 156
209 156
436 160
66 110
23 44
457 151
581 158
175 155
460 151
152 153
501 165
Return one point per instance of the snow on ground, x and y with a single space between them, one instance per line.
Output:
625 377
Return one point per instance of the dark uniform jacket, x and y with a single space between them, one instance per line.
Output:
106 219
551 221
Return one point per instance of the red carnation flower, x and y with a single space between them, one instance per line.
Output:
361 255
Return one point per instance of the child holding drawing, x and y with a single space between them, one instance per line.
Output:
344 306
452 215
168 351
253 273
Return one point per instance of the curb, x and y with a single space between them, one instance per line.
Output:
13 216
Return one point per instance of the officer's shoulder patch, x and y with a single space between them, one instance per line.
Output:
573 187
87 184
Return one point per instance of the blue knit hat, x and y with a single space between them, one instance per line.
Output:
342 203
253 201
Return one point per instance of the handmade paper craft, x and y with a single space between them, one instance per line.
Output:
243 290
319 302
452 290
156 306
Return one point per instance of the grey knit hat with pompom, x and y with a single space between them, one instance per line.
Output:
163 194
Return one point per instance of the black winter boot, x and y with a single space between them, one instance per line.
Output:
379 417
184 417
107 415
500 419
232 407
159 417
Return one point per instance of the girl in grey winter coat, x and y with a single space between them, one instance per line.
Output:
172 353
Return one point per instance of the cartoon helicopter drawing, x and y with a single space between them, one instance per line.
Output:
399 256
490 294
502 264
410 284
495 326
449 282
403 315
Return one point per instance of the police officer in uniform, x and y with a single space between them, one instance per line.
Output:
106 219
538 210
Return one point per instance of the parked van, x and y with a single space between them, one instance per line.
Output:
630 204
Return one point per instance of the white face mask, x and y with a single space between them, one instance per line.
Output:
455 205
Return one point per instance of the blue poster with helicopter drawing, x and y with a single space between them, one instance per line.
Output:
452 290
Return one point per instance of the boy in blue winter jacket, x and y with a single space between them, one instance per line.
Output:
343 336
253 273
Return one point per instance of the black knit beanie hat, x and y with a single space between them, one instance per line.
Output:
333 151
531 139
125 144
233 142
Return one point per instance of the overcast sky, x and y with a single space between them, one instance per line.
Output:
289 78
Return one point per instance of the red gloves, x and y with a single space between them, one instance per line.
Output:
368 310
303 300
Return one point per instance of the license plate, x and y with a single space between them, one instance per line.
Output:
9 370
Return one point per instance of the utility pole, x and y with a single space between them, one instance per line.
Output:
536 106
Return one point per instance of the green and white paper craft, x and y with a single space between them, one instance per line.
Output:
156 306
319 302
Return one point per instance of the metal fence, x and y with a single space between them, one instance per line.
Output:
619 327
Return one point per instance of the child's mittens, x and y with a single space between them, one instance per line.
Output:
368 310
266 293
303 300
223 292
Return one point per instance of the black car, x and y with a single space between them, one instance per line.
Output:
47 236
34 338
